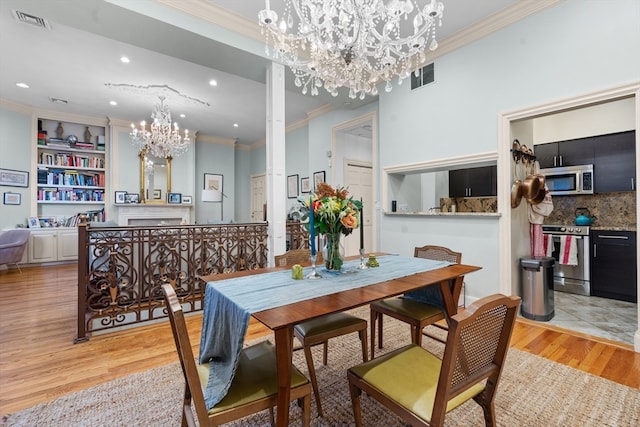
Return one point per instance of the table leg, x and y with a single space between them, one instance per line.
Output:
448 290
284 350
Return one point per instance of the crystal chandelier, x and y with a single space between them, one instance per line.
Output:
351 43
163 140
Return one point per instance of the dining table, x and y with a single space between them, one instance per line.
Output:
280 302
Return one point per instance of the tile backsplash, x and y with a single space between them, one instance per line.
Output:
611 210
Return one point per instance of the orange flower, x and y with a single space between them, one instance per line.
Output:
349 221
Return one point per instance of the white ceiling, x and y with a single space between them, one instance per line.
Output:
77 59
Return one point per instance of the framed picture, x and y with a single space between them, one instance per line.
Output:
292 186
318 177
12 198
174 198
213 181
305 185
132 198
120 197
157 194
34 222
13 178
186 200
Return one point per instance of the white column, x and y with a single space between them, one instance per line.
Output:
276 180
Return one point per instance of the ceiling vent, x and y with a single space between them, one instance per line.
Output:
423 76
58 101
31 19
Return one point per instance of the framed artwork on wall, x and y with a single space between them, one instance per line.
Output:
292 186
213 181
14 178
186 200
305 185
12 198
132 198
318 177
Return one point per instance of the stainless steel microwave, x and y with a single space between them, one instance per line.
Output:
569 180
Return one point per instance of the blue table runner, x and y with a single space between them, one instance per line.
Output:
229 304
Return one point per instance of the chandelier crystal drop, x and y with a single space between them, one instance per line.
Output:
163 140
351 43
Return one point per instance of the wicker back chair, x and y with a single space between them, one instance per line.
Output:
473 358
417 314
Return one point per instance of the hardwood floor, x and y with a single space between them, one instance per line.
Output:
39 362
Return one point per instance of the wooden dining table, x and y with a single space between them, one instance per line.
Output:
282 319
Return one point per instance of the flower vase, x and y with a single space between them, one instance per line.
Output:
333 252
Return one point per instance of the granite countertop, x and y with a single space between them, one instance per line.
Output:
625 228
446 214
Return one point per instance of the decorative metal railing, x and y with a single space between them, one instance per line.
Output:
121 269
297 236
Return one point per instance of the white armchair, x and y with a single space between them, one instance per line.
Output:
12 246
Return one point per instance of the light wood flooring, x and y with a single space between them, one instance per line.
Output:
39 362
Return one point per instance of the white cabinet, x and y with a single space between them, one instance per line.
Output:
49 245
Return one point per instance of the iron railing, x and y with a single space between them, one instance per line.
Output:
121 269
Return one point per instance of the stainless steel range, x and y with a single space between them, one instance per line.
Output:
574 279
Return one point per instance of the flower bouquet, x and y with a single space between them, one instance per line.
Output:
335 213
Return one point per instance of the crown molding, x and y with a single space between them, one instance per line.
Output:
209 139
217 15
15 106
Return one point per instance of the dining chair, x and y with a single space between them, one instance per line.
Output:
416 313
320 330
421 388
254 386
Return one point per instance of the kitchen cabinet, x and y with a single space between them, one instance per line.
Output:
473 182
573 152
613 265
614 165
55 244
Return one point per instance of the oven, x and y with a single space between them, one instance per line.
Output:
574 279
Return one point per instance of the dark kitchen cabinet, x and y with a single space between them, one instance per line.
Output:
573 152
614 166
613 265
473 182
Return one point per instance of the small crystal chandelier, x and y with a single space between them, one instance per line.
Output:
351 43
164 139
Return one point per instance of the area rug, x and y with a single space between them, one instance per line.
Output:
533 392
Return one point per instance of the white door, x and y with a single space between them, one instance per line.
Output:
358 178
258 198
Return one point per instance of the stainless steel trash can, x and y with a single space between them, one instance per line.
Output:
537 288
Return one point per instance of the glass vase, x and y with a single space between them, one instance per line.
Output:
333 252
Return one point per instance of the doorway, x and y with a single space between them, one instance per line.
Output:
511 225
353 160
258 194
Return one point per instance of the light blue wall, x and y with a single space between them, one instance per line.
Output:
573 48
216 159
15 146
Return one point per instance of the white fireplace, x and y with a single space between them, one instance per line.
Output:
153 214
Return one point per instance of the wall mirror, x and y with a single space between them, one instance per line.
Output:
155 178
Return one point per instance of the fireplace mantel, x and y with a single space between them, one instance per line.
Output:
153 214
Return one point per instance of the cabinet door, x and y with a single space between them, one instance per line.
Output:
482 181
43 246
615 162
458 183
547 154
576 152
613 265
67 245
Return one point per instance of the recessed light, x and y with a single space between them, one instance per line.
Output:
22 85
213 82
113 103
183 115
235 125
124 59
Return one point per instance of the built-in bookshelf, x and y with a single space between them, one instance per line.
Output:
71 168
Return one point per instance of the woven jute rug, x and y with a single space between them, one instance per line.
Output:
533 391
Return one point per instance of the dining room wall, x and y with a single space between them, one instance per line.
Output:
547 56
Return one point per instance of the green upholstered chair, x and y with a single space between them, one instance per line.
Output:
421 388
254 387
417 314
320 330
